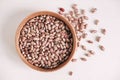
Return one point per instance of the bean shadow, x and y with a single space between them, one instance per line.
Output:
8 34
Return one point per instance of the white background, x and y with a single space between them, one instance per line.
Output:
102 66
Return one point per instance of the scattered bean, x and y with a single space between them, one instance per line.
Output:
93 10
89 41
101 48
98 38
96 21
70 73
103 31
74 60
83 59
83 47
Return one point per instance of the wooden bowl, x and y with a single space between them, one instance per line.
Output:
45 13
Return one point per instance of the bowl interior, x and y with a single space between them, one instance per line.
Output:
45 13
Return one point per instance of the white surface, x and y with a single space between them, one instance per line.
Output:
102 66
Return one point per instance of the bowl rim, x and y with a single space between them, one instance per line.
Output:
51 14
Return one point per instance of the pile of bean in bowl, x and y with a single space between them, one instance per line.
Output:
45 41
